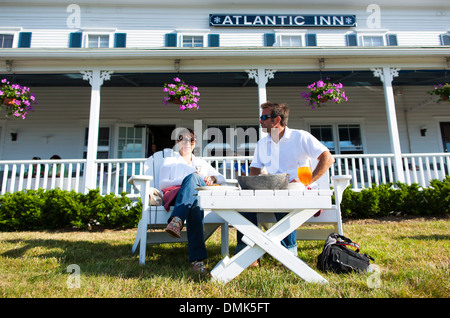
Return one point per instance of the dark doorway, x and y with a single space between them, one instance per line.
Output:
159 137
445 132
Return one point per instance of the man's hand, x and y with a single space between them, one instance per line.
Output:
325 161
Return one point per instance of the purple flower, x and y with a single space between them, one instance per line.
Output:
176 79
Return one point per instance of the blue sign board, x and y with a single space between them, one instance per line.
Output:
281 20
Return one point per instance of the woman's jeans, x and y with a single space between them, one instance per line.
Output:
187 209
290 241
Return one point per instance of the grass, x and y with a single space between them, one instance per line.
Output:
412 253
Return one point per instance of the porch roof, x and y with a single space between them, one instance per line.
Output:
231 79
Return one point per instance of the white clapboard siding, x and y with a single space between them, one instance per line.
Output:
62 115
146 25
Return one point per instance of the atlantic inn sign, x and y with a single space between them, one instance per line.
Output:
281 20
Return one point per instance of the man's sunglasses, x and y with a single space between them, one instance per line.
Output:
264 117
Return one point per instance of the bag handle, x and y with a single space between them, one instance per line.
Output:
342 240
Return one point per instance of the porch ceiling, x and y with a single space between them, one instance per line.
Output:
230 79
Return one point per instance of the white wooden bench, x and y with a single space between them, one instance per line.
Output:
155 217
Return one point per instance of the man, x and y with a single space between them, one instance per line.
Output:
280 152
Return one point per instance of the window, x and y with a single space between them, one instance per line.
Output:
324 133
225 140
350 139
6 40
290 40
339 138
103 143
130 142
192 41
372 40
98 41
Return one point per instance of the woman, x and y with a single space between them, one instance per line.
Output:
183 173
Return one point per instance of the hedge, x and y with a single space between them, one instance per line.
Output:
397 199
56 209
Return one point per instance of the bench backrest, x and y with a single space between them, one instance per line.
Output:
153 164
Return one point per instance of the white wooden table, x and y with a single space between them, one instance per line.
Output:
300 206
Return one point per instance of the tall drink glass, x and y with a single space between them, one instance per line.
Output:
304 172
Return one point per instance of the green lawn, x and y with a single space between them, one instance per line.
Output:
412 254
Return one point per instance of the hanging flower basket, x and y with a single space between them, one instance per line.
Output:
9 101
180 93
442 91
322 92
17 100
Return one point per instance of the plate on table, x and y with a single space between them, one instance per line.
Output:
295 186
217 187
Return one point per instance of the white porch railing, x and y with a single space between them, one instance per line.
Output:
17 175
113 174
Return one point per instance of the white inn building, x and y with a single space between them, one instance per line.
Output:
98 69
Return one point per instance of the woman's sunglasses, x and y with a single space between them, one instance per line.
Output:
184 139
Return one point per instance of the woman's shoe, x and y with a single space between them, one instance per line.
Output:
199 267
174 227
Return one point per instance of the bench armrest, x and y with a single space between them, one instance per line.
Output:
340 183
141 183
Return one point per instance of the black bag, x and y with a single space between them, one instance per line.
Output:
336 257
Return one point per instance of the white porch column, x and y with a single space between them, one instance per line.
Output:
261 77
96 79
386 75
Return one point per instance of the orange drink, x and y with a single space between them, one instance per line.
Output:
305 175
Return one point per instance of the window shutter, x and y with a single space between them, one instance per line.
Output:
213 40
120 40
392 39
445 39
24 39
311 40
75 39
171 40
352 40
269 39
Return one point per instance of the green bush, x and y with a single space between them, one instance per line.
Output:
54 209
397 198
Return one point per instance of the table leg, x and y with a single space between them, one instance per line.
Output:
259 243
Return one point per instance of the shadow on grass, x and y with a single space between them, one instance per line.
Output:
431 237
114 259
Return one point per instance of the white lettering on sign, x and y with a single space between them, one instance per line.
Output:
282 20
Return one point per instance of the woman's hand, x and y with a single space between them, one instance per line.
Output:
209 180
